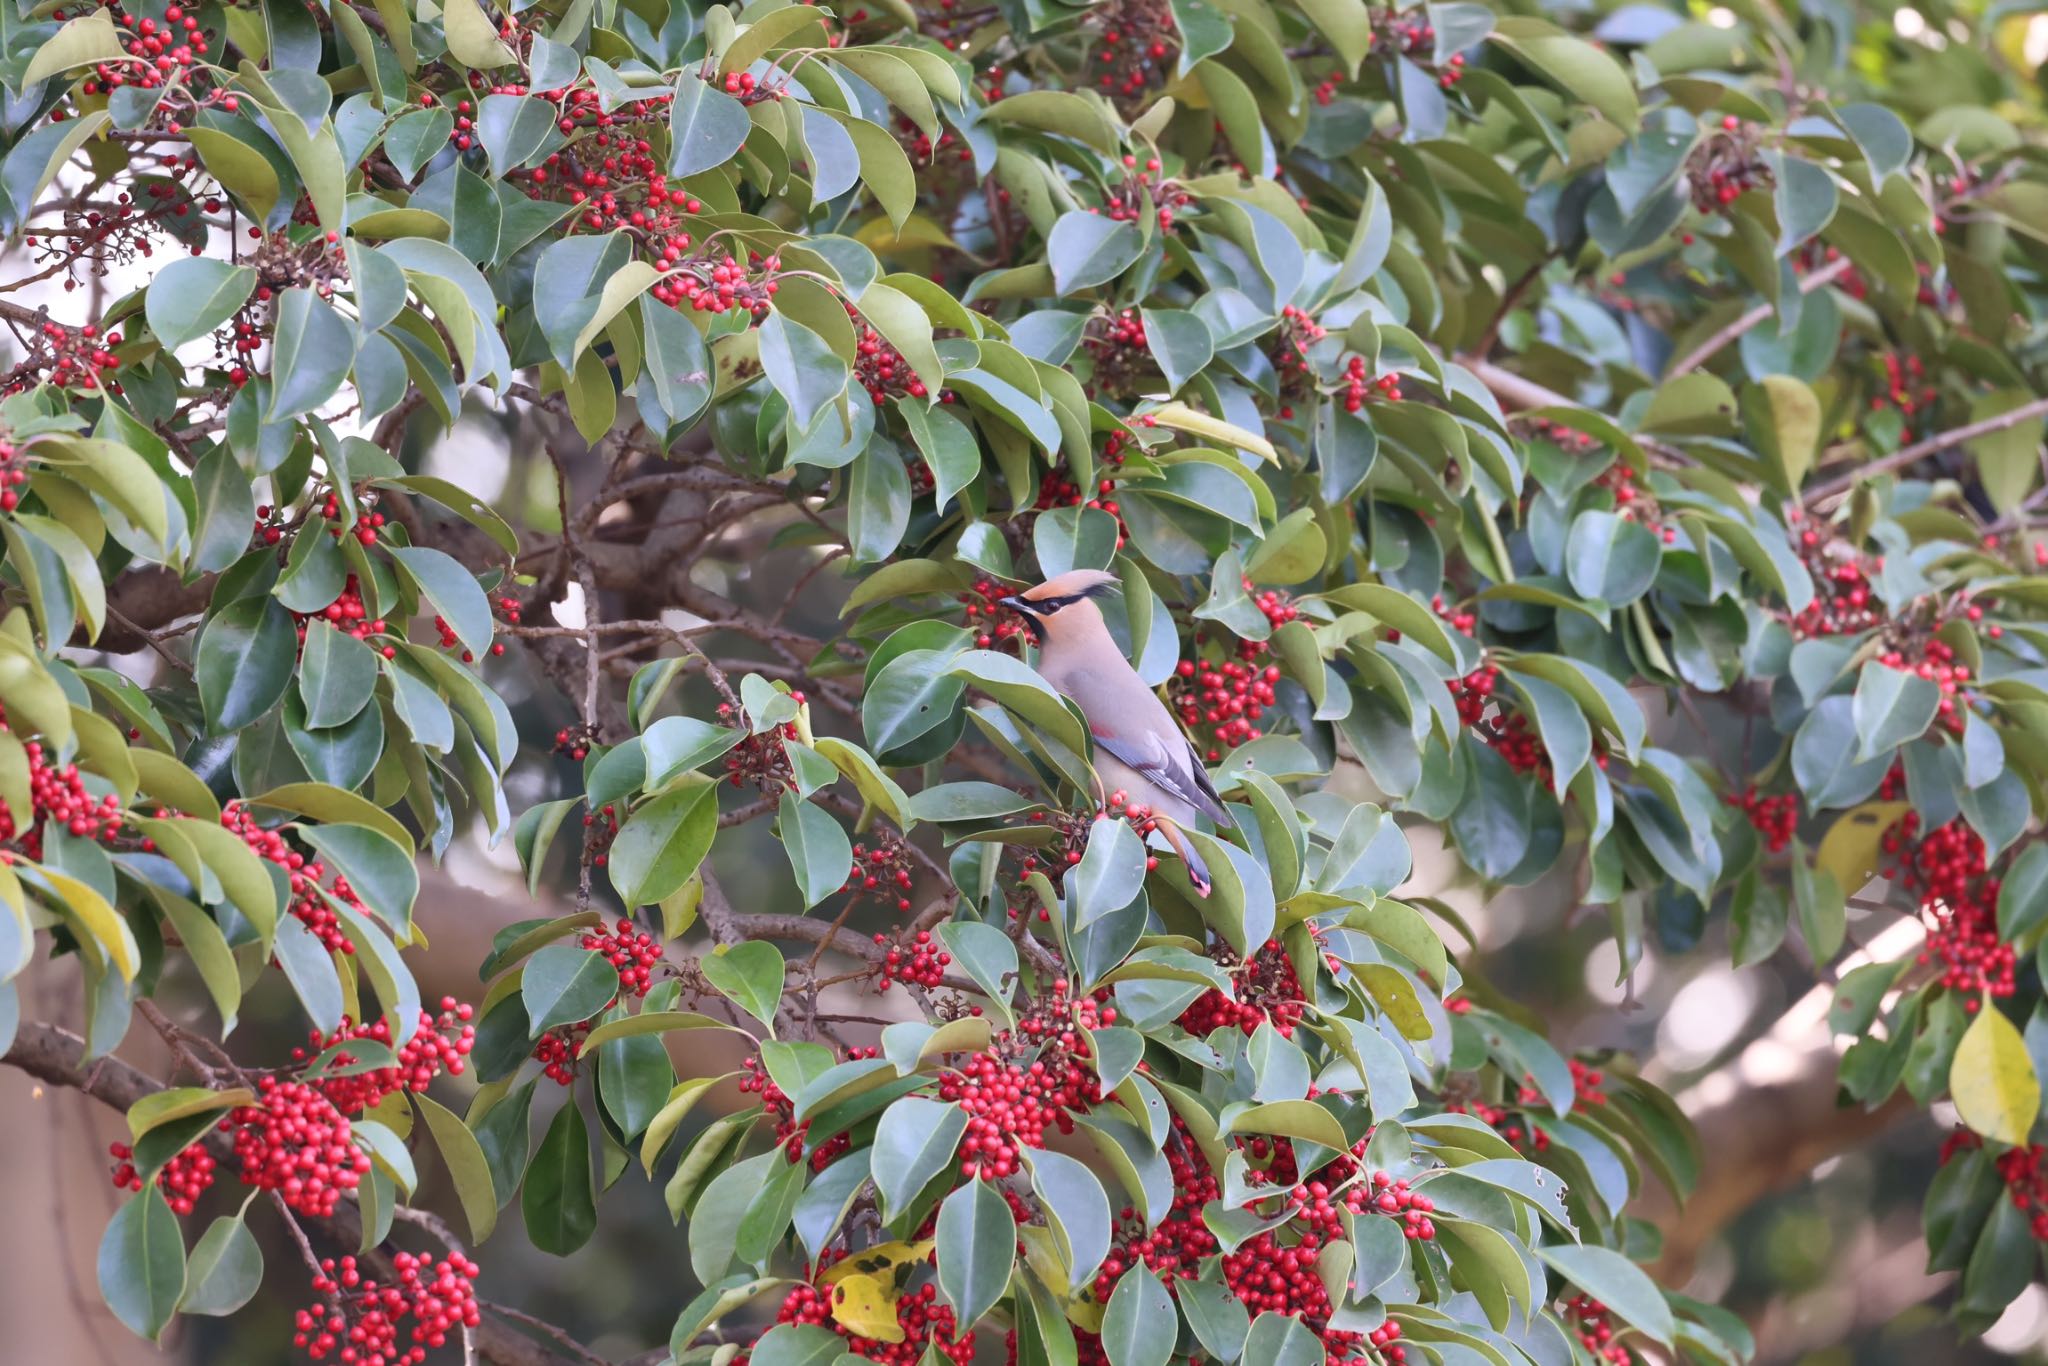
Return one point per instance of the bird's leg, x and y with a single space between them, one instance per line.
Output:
1179 840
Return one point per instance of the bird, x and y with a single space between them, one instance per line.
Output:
1139 749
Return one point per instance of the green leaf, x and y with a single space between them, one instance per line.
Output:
337 675
801 365
225 1271
1891 707
1805 199
1077 1208
467 1166
2023 894
473 38
310 356
706 127
1139 1327
1611 558
379 871
987 955
565 983
244 662
1180 342
749 975
662 842
1629 1294
1577 68
558 1203
84 41
142 1263
1282 1340
192 296
1992 1079
817 847
454 593
1110 874
915 1141
976 1242
1783 419
1087 249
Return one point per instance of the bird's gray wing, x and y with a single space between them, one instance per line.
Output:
1172 764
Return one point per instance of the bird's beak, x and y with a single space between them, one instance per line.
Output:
1016 604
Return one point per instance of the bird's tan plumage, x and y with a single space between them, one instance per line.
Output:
1140 749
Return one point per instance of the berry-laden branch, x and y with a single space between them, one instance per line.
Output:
55 1056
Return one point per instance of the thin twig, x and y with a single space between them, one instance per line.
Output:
1705 351
1834 488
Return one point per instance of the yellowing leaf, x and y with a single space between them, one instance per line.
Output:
1992 1079
863 1304
1182 418
881 1259
1850 848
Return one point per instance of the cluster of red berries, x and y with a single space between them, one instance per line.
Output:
924 1326
161 49
442 1043
573 742
790 1135
68 357
1520 1132
1905 388
720 283
881 871
1010 1103
556 1050
1724 166
1268 989
1136 50
1117 345
1227 697
1298 331
2026 1184
294 1141
1843 601
760 759
349 615
600 828
1414 37
742 86
309 904
12 477
995 625
1594 1324
1937 664
57 794
630 949
1775 818
880 368
183 1179
921 962
358 1320
1633 503
1945 868
1360 387
365 529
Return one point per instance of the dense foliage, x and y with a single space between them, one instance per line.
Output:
1452 389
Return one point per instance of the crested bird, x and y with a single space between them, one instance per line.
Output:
1138 746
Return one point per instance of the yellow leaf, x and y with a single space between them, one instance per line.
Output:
863 1305
1850 850
1992 1079
883 1259
1182 418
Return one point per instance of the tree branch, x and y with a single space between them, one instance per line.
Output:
1906 455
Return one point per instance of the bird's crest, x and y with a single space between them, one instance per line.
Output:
1062 589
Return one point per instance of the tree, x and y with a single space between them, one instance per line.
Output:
1446 387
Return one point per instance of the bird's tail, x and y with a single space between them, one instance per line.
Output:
1198 870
